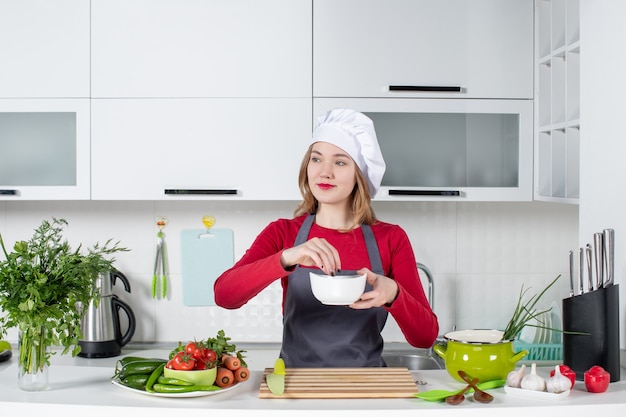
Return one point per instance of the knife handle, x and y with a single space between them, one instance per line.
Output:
571 273
598 243
609 253
589 268
581 270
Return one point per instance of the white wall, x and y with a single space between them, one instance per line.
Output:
603 142
480 255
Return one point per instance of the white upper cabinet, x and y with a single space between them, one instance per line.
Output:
209 48
423 48
450 150
186 149
44 48
44 149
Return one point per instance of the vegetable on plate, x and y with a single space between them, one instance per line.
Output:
190 367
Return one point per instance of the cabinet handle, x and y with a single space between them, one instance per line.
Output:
440 89
9 192
177 191
440 193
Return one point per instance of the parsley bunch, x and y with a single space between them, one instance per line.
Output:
41 283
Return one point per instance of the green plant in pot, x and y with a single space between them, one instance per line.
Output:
41 282
489 354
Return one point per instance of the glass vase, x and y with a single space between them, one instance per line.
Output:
32 365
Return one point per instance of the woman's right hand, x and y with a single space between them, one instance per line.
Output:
315 252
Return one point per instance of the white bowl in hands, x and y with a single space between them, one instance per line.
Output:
338 289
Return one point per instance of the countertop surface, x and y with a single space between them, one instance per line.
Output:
80 385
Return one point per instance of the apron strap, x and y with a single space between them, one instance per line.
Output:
303 233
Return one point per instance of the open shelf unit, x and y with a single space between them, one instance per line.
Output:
557 101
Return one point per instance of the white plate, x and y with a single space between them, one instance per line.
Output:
546 336
529 333
541 395
180 395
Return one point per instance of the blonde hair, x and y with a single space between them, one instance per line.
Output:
362 210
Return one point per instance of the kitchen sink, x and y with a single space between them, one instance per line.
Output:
418 359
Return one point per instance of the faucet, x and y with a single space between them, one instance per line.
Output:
431 284
431 301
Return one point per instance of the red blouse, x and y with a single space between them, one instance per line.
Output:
260 266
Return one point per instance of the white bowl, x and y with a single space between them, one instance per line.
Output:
338 289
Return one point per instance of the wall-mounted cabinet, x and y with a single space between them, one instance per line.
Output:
209 100
44 49
423 48
452 150
186 149
44 149
211 48
557 104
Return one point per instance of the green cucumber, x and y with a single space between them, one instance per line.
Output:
135 381
140 367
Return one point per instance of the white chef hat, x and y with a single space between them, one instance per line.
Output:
354 133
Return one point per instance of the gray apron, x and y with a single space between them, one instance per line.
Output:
318 335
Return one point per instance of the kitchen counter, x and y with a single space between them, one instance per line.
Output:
82 386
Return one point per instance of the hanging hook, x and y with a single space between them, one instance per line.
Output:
208 222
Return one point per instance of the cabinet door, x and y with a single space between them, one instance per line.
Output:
153 149
450 150
362 47
44 48
44 147
210 48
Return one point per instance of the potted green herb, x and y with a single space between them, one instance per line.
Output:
41 282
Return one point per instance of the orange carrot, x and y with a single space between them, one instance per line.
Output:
225 377
241 374
231 362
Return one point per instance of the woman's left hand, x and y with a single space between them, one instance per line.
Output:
384 291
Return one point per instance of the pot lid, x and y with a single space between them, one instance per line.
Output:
475 336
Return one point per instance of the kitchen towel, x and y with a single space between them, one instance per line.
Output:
204 257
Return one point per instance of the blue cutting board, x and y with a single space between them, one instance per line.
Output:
203 260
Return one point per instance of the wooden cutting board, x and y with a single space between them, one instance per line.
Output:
344 383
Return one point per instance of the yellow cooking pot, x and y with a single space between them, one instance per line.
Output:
481 354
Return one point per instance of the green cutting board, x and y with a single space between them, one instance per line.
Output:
203 260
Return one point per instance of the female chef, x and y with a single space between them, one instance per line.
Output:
335 230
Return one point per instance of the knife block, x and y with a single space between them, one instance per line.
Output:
595 313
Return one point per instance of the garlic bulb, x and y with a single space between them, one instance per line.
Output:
532 381
558 382
514 378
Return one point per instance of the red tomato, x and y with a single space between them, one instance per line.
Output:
210 356
183 362
206 360
170 364
193 350
566 371
597 379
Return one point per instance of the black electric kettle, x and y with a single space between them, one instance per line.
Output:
100 324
